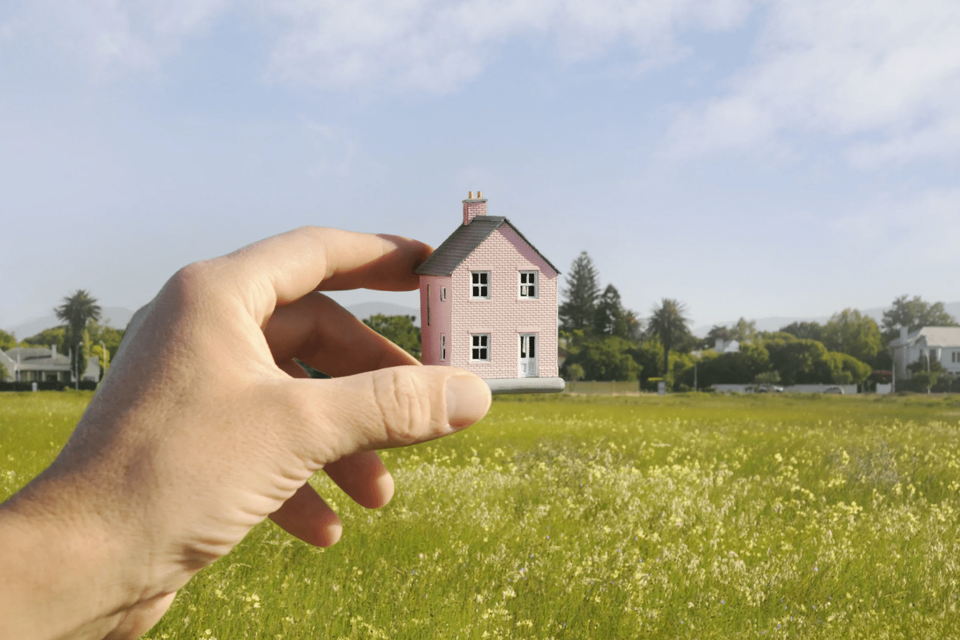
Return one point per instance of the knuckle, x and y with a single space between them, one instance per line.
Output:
403 406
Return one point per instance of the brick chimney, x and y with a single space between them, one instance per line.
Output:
473 207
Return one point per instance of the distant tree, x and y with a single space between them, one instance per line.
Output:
400 330
804 330
649 356
853 333
845 369
741 367
914 313
744 331
669 324
798 361
75 312
611 318
601 358
717 332
924 373
109 336
579 306
767 378
574 372
7 341
56 336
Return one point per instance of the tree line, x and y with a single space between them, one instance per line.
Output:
606 341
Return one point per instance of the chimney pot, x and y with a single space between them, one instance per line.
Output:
470 195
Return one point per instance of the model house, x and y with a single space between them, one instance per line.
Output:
927 344
488 304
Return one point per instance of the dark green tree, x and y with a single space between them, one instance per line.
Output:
75 312
717 332
7 341
924 374
798 361
49 337
804 330
601 358
611 318
853 333
579 306
669 324
914 313
399 330
740 367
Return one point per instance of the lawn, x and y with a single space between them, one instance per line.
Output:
691 516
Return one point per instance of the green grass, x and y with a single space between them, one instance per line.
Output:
691 516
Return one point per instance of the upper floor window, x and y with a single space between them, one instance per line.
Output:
479 284
443 294
528 284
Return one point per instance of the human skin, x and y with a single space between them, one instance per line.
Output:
205 426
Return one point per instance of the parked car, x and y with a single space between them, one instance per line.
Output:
837 390
769 388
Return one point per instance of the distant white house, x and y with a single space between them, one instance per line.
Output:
939 344
43 364
727 346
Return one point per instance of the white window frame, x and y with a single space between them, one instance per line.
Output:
443 347
530 289
476 286
479 346
443 294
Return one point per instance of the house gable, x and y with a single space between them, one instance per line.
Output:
467 238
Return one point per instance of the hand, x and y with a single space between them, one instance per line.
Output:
205 426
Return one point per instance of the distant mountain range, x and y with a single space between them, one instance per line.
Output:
119 317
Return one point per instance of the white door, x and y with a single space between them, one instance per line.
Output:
528 355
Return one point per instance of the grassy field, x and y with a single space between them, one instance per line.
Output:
681 516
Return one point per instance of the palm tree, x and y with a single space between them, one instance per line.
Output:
669 325
75 312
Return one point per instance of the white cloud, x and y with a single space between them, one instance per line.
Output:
882 76
107 36
438 45
435 45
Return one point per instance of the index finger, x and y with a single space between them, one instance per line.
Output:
293 264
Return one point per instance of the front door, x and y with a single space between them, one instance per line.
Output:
528 355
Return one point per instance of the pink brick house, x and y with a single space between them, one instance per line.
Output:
488 304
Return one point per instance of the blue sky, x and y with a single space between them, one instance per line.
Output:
749 158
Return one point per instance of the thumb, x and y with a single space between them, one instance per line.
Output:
392 407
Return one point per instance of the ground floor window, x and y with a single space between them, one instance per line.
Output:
443 347
480 347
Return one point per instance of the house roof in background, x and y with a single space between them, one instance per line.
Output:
932 337
38 359
463 241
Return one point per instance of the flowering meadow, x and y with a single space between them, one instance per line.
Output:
686 516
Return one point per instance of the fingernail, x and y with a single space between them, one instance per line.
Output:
468 399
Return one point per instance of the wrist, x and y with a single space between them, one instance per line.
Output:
70 577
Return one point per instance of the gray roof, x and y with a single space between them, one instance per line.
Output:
932 337
38 359
462 242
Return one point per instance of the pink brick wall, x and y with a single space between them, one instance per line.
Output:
505 315
440 314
